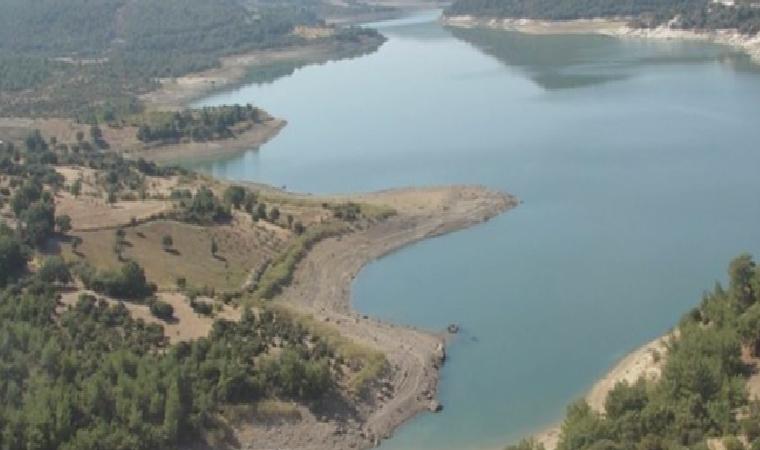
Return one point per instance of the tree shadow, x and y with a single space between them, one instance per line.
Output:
173 251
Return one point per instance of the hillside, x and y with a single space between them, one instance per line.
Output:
61 57
704 395
684 14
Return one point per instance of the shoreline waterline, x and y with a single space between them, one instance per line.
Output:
609 27
309 155
322 286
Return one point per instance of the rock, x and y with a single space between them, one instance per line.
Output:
435 406
453 328
440 355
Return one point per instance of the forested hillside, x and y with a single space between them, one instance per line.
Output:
61 56
701 396
85 366
690 14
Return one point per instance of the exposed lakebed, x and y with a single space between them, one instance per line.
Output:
637 162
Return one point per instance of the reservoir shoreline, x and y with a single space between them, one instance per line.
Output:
644 362
615 27
180 92
321 290
517 298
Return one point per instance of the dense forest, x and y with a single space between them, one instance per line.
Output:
76 53
701 393
690 14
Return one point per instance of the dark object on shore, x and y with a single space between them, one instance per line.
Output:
435 406
453 328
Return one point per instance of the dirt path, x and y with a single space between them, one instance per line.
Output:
321 287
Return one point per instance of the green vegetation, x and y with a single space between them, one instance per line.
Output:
201 125
203 208
690 14
86 375
280 271
371 363
12 256
162 310
701 392
91 377
128 283
93 59
82 373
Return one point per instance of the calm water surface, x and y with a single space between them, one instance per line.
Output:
637 162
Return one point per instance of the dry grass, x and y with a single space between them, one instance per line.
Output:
187 325
241 249
92 213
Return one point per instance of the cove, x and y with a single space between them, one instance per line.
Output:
637 163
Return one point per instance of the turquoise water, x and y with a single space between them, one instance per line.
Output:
637 162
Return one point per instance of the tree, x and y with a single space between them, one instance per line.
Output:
127 283
299 228
35 143
290 221
249 202
167 242
80 136
12 258
76 241
749 328
54 269
63 222
624 398
25 195
274 214
261 212
741 273
38 222
76 188
162 310
214 247
234 195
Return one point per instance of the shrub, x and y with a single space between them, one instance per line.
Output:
162 310
63 222
54 269
201 307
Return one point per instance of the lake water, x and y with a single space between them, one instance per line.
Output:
637 162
